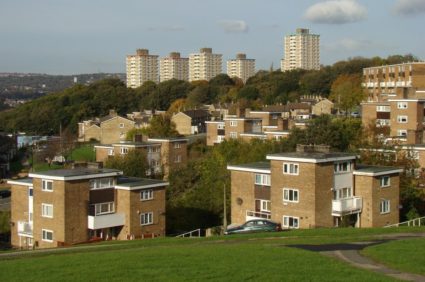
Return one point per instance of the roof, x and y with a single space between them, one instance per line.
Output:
76 174
312 157
262 167
170 139
369 170
135 183
136 144
23 181
197 113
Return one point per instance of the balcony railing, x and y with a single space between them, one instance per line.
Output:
257 215
105 221
24 228
347 206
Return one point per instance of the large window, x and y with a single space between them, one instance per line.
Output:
402 105
146 218
384 207
262 179
290 222
233 135
265 206
47 210
402 119
342 193
290 168
47 185
342 167
233 123
146 194
385 181
290 195
104 208
123 150
47 235
177 145
101 183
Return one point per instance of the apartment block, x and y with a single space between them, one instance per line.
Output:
173 67
141 67
241 67
396 100
301 51
204 65
71 206
311 189
163 154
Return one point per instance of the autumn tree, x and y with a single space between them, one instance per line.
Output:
134 163
161 126
346 92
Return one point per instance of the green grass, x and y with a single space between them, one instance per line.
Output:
254 257
43 166
405 255
83 153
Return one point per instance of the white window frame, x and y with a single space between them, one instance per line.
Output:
383 181
265 206
384 206
177 145
291 168
97 183
146 195
123 150
47 210
402 132
220 126
146 218
121 125
233 135
262 179
233 123
402 119
342 167
286 222
45 186
98 208
44 233
402 105
291 195
178 159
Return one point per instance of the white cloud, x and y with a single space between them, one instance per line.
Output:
336 12
233 26
349 44
409 7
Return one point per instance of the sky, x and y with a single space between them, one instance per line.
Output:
90 36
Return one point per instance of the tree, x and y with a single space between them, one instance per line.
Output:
161 126
134 163
346 92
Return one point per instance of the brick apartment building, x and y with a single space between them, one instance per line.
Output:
71 206
163 154
396 99
307 189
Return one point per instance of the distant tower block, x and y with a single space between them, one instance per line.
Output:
174 67
141 67
241 67
204 65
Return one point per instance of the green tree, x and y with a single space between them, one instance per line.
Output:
346 92
134 163
161 126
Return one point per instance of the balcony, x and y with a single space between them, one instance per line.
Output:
257 215
24 228
105 220
347 206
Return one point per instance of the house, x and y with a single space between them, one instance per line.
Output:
310 189
163 154
72 206
322 107
191 121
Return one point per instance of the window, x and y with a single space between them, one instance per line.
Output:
101 183
47 210
153 149
177 145
146 218
402 132
121 125
177 159
402 119
289 168
104 208
47 235
262 179
290 221
110 152
385 181
47 185
233 135
384 207
290 195
383 108
401 105
342 167
220 126
342 193
233 123
123 150
146 195
30 192
265 206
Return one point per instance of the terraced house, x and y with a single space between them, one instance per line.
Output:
310 189
71 206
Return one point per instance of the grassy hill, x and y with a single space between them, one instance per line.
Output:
265 256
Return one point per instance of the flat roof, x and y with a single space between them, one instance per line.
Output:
171 139
23 181
136 144
262 167
135 183
313 157
75 174
371 170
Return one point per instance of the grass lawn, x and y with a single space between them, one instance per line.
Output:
406 255
83 153
43 166
254 257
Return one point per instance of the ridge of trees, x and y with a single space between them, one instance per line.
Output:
70 106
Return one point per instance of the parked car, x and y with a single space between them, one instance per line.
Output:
255 225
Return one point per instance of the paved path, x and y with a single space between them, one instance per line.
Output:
350 254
